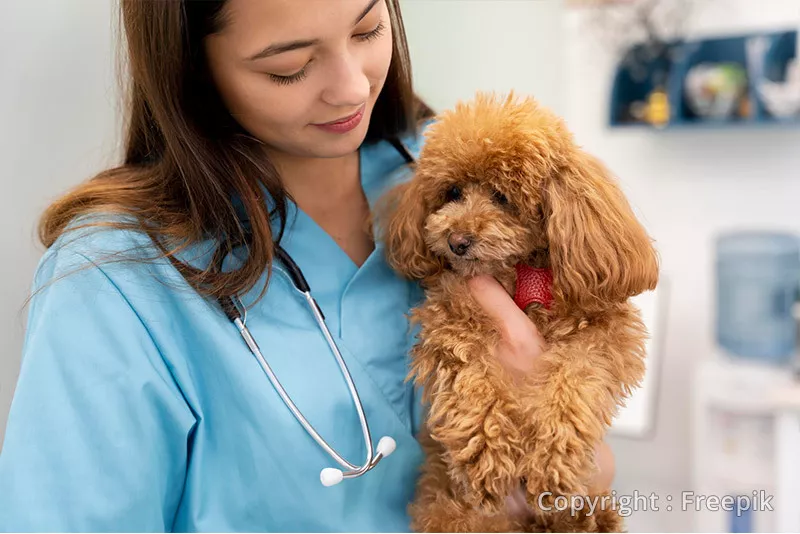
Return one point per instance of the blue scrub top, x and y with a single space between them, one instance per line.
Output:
139 407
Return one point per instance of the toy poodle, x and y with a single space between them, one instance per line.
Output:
501 188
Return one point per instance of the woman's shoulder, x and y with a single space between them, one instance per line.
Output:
104 248
103 286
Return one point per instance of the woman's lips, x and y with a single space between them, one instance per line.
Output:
343 125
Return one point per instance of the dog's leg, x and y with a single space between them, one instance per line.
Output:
439 506
571 402
473 411
561 521
598 514
607 517
472 419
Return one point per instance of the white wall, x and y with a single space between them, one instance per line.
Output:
57 127
461 46
687 185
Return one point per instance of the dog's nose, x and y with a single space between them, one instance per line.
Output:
459 243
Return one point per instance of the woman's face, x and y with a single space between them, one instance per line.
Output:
302 75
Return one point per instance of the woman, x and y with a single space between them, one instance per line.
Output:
138 405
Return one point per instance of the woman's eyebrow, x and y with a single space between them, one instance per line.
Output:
278 48
366 10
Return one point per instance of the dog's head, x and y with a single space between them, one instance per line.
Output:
499 181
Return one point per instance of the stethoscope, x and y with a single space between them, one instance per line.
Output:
237 313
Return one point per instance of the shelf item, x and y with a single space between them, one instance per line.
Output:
745 80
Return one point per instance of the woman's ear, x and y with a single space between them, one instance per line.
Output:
401 216
599 251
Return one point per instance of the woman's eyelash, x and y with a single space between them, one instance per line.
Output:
301 74
293 78
374 34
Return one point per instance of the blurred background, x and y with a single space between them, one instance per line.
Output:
694 104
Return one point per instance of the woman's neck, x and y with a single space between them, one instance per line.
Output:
319 184
329 191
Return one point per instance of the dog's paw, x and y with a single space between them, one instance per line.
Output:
608 518
486 475
559 463
547 488
559 521
487 491
485 503
547 477
542 495
484 483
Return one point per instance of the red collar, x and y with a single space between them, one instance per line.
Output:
533 285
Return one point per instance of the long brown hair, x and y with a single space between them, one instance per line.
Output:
187 162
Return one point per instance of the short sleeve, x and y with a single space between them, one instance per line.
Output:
97 436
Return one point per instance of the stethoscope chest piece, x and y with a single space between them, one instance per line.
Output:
330 476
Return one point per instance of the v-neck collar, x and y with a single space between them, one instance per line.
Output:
325 265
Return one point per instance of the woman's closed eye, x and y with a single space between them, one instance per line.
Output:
290 78
286 79
372 34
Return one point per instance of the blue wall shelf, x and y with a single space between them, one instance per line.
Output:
633 85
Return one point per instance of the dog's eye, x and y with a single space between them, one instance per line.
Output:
453 193
500 198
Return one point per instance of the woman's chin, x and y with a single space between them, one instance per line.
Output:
335 145
314 142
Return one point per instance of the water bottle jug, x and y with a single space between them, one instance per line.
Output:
758 281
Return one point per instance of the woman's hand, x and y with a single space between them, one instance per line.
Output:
519 350
521 343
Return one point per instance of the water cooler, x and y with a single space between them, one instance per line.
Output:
746 398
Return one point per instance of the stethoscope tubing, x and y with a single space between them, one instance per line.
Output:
255 349
237 313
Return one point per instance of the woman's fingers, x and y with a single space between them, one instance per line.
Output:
522 344
498 304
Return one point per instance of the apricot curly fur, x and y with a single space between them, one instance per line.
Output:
505 174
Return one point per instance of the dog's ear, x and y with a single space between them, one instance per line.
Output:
401 214
599 251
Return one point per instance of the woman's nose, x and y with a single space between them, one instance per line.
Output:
348 85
